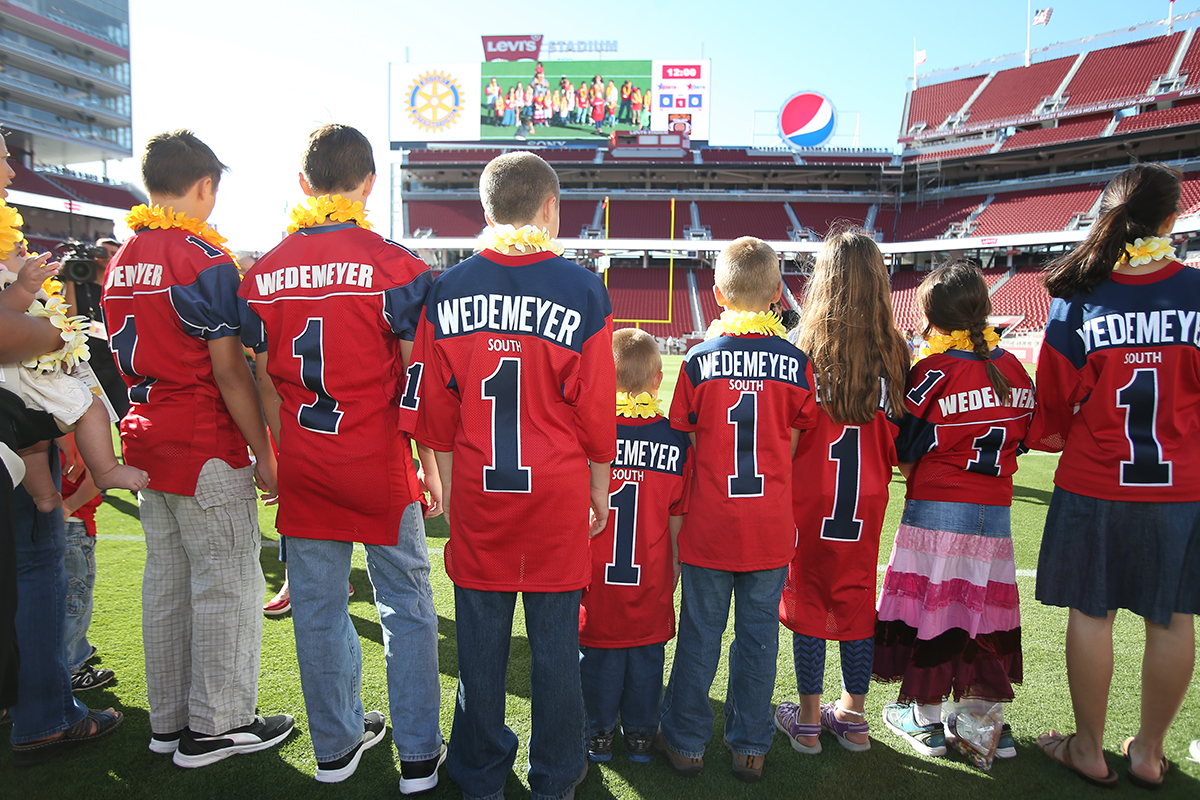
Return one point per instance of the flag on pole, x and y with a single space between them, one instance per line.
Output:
919 57
1042 17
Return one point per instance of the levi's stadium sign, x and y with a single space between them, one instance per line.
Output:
512 48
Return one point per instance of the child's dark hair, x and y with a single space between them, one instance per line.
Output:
174 161
954 297
338 158
1134 205
848 330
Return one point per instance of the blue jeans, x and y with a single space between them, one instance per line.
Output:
81 581
625 679
687 717
482 747
327 643
45 705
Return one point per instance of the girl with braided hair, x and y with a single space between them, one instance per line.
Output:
948 621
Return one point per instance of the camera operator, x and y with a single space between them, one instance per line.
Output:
82 275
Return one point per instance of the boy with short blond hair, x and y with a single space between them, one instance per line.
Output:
628 614
345 470
171 305
744 395
511 384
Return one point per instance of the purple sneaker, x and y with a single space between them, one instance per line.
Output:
787 719
831 723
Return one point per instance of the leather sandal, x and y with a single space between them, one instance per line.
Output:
1141 781
93 726
1058 748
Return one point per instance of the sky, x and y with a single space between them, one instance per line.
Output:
252 79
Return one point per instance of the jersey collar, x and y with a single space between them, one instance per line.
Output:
317 229
516 259
1150 277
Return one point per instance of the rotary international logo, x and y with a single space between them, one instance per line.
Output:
435 101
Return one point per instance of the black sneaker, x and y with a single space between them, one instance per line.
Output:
339 769
600 748
165 743
420 776
197 750
90 678
639 747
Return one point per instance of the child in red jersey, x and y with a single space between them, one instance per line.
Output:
744 395
949 621
840 485
628 614
345 469
1119 382
513 379
170 299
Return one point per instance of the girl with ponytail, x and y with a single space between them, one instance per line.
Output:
948 621
1119 384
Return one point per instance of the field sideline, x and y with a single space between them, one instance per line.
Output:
122 767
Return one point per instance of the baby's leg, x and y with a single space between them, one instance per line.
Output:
93 437
38 480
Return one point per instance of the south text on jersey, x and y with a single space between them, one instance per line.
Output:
756 364
135 275
508 313
314 276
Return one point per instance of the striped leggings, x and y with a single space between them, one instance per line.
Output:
857 658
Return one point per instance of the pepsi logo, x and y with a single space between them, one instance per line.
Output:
807 119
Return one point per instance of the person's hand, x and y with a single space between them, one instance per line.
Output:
35 271
74 467
677 570
266 479
598 516
434 488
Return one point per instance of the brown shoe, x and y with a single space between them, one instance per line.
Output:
687 767
746 768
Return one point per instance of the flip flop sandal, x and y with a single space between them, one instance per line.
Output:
1059 749
105 722
1138 780
831 723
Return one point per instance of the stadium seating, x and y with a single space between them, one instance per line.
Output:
1067 131
452 156
1190 201
818 217
796 283
642 294
993 274
1015 93
26 180
646 219
729 220
927 221
932 104
1023 293
446 217
100 194
814 159
722 155
1035 210
904 299
1186 113
1190 66
709 310
1122 71
574 216
946 155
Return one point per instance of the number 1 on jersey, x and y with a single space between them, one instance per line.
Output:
322 414
743 416
623 571
1139 398
503 388
843 524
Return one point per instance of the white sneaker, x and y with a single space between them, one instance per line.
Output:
199 751
339 769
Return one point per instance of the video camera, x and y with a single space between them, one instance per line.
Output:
79 262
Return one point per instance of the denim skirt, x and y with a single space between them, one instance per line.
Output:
1101 555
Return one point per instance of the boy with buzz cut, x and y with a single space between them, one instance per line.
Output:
330 314
628 612
511 385
170 299
744 395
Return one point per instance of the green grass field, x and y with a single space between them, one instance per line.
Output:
122 767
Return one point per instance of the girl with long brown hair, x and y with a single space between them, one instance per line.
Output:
949 620
841 472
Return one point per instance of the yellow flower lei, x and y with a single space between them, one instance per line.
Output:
74 333
10 229
643 405
328 206
736 322
526 239
957 340
1152 248
144 216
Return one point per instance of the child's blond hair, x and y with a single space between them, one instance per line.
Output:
514 186
638 361
748 274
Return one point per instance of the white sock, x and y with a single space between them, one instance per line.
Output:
928 714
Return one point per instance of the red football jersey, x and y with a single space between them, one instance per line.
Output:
840 481
1118 384
630 601
167 293
963 439
513 373
329 305
742 396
